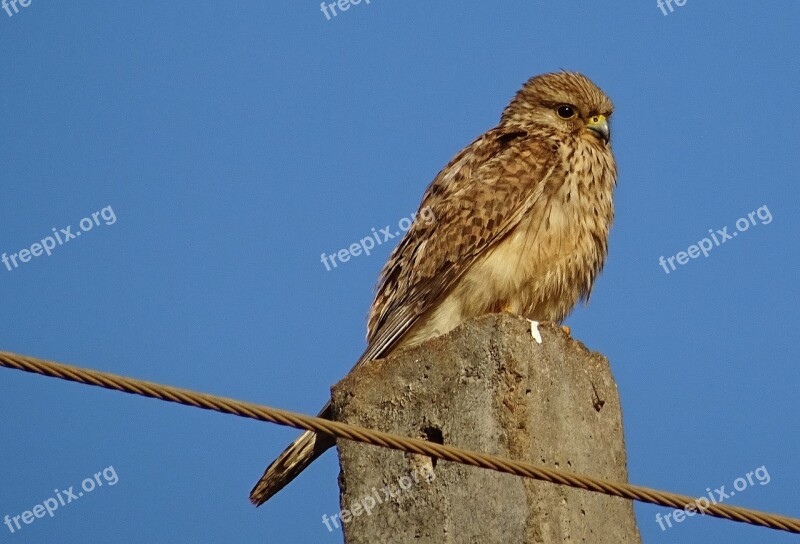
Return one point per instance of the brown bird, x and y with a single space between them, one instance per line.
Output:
521 222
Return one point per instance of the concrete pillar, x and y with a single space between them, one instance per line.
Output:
487 386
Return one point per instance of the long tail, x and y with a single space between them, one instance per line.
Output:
289 464
305 450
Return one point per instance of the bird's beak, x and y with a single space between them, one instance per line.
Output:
599 125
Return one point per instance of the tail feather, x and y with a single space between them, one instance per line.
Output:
289 464
305 450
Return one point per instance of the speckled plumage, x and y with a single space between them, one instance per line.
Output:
521 223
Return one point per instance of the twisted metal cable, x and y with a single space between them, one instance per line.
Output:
386 440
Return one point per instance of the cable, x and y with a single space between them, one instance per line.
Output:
386 440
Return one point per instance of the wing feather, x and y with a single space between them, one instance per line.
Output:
476 200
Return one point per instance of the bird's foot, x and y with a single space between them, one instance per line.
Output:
567 330
535 331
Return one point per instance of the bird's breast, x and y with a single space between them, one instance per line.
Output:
545 265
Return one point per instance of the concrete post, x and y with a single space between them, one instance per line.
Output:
490 387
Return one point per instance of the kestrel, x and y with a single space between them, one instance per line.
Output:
522 217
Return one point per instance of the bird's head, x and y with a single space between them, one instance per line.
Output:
567 102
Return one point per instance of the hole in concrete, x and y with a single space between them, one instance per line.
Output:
433 434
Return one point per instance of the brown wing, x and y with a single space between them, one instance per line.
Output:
476 200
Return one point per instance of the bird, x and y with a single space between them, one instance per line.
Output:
520 224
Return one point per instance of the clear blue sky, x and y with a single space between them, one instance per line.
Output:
235 143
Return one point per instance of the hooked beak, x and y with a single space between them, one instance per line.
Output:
599 125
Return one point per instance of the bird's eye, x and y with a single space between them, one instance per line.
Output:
566 111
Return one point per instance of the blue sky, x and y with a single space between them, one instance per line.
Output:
236 143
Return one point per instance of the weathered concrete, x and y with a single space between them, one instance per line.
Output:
487 386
